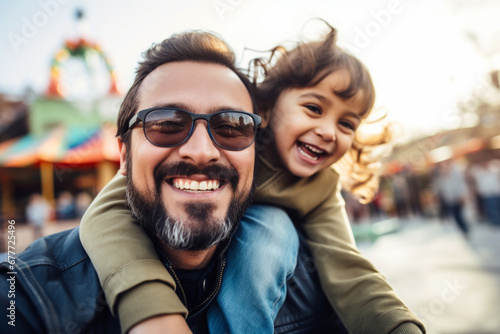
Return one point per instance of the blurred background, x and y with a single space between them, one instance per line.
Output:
433 228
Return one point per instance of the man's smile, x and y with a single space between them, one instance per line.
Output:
194 185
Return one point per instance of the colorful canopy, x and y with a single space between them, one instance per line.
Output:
64 145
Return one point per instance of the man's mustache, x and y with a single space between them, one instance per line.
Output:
182 168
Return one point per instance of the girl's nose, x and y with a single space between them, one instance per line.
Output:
326 132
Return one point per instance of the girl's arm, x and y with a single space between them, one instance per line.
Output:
136 284
173 323
361 296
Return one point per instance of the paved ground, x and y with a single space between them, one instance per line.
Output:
451 283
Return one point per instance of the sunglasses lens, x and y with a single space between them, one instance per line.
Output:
233 130
167 127
230 130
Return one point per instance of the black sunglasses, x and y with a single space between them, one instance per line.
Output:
169 127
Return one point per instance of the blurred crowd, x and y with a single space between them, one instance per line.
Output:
465 191
67 207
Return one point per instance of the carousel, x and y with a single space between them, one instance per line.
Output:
70 145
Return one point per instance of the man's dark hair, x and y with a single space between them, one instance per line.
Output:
197 46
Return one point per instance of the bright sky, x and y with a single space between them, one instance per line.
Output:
418 52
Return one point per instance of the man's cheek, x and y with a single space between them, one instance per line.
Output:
249 177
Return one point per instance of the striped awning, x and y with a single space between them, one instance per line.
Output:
64 145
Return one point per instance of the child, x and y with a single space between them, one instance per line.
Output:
313 100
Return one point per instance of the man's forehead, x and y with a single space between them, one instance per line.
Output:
197 86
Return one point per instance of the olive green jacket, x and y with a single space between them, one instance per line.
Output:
137 285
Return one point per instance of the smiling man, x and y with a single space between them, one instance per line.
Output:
197 188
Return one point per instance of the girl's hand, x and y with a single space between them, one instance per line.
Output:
164 324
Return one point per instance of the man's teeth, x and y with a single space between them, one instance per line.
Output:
196 185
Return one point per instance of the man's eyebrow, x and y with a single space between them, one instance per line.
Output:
234 108
175 105
185 107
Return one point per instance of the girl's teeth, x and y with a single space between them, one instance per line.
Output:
315 150
307 155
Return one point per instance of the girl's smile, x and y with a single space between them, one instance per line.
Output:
313 126
310 153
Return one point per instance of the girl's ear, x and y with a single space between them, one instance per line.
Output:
264 115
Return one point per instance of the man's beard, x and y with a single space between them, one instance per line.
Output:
202 230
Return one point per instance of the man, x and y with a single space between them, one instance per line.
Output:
54 286
452 188
486 179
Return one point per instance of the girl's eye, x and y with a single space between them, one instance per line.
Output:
347 125
314 109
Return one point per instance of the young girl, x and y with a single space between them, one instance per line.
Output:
312 101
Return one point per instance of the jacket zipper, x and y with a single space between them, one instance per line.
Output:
217 288
178 281
199 306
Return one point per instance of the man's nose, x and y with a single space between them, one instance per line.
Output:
326 131
200 149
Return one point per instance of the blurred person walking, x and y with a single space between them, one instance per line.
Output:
441 207
37 213
401 195
486 177
451 187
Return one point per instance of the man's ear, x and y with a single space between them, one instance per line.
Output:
123 153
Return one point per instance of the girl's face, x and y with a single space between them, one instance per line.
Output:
313 127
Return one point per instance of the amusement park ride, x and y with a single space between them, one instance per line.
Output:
71 141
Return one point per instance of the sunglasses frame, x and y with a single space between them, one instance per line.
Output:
141 116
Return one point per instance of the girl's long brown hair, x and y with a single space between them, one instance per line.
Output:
305 66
